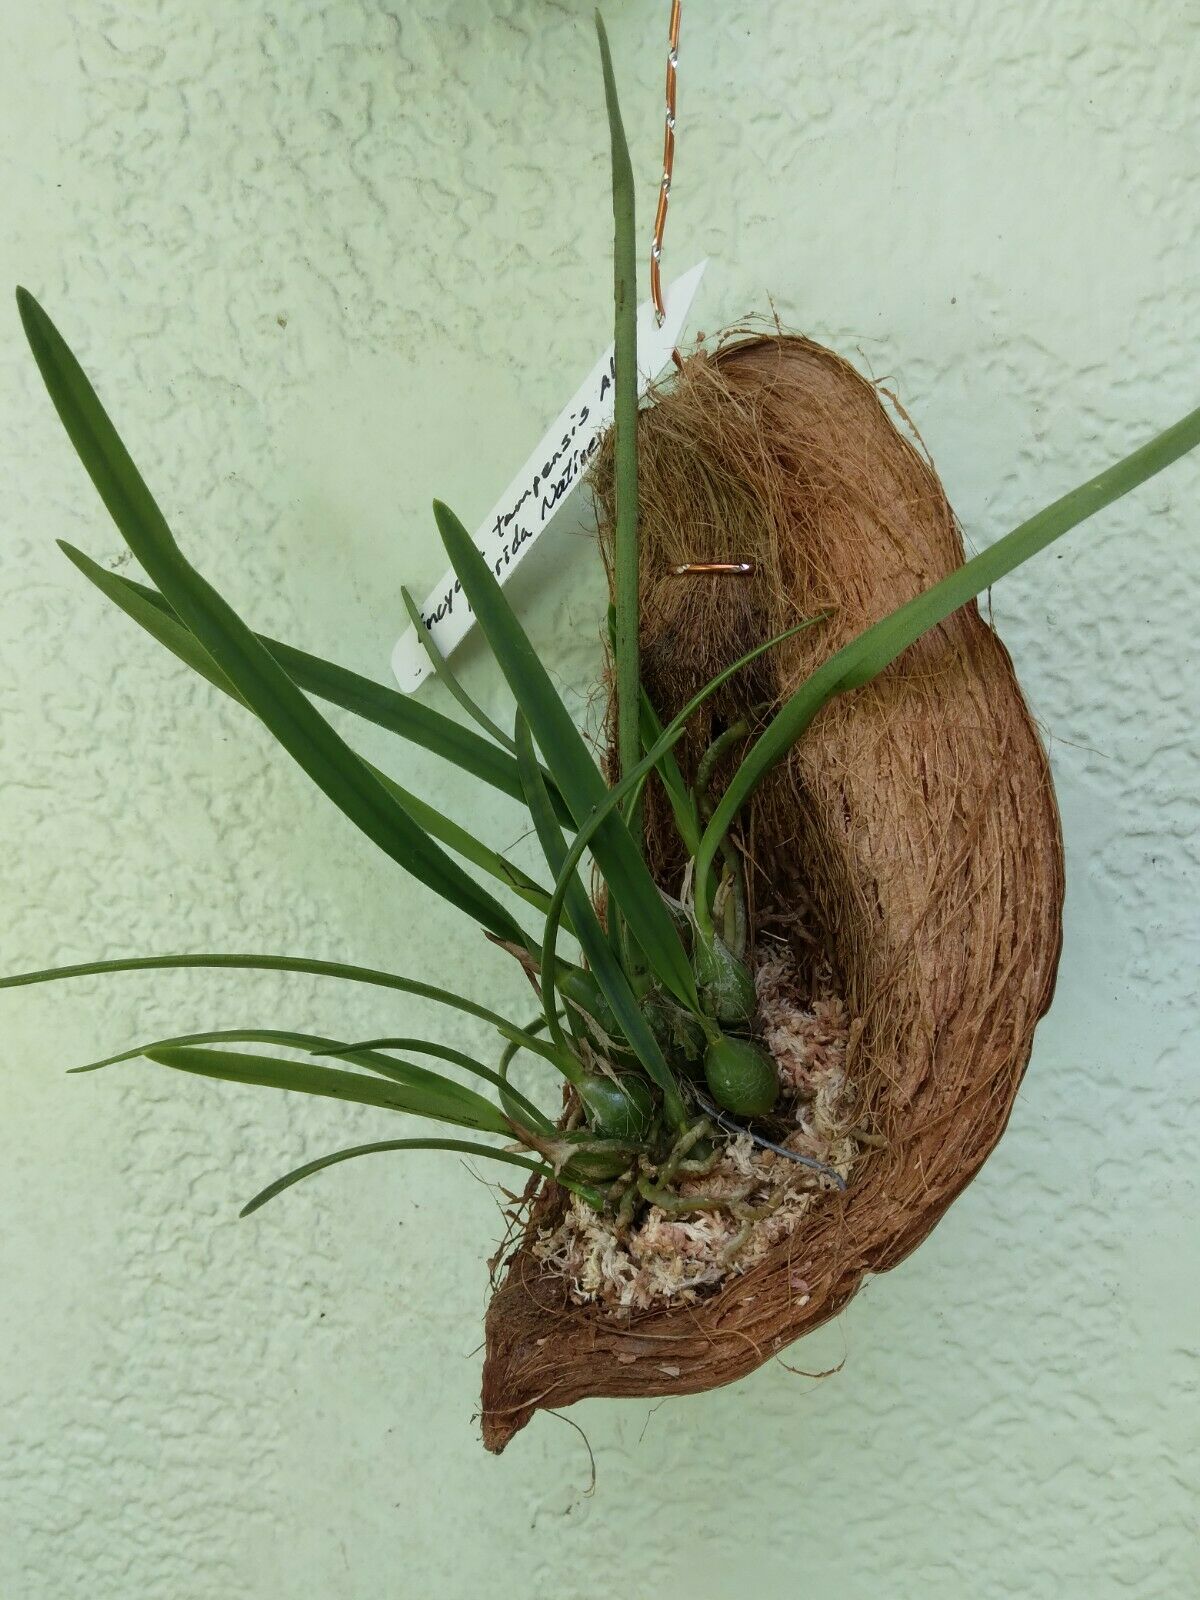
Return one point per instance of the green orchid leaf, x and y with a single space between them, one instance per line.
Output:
373 702
316 1044
448 678
526 1112
465 844
463 1146
637 776
625 464
569 760
315 968
878 646
605 967
152 614
147 608
244 660
506 1059
439 1098
551 840
682 801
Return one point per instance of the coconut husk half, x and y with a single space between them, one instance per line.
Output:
913 836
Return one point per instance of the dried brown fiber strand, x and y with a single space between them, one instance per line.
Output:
915 824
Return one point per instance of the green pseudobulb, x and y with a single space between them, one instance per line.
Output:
597 1166
725 983
741 1076
618 1108
679 1032
581 990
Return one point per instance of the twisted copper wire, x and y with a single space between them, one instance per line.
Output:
664 191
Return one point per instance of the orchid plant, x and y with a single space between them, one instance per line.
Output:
647 1010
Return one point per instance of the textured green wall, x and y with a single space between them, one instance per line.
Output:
329 260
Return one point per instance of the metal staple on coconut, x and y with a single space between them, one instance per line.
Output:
914 829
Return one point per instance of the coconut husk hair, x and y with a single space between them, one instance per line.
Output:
913 834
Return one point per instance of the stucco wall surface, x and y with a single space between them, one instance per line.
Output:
328 260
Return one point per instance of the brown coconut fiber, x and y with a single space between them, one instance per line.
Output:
914 828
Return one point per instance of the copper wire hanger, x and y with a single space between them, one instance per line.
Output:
668 164
686 569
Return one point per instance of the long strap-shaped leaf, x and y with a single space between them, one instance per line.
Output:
682 801
874 649
405 1072
161 623
315 1043
576 773
315 968
464 1147
592 939
371 1049
464 1109
446 675
388 708
654 758
551 840
506 1058
259 679
626 592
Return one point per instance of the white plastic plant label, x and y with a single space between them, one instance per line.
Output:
543 484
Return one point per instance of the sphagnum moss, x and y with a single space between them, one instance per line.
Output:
659 998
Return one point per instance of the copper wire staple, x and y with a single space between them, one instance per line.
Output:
735 569
664 192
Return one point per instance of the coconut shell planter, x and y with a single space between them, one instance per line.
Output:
795 926
906 856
